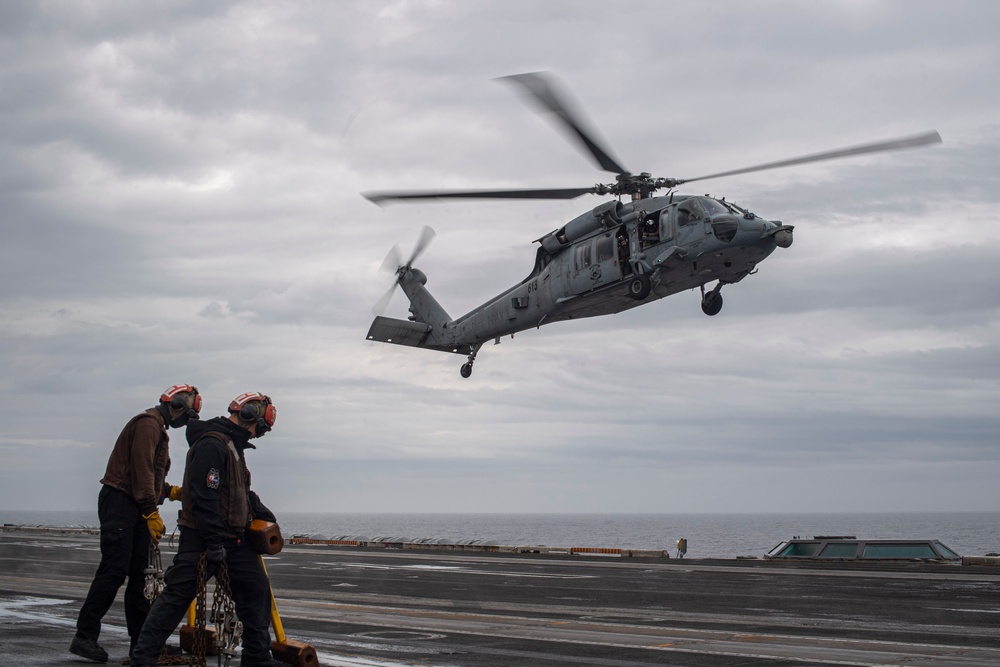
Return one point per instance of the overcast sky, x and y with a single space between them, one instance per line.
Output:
179 200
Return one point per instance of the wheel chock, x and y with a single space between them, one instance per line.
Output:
189 635
288 651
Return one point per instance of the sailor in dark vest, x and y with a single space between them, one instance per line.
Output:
217 507
133 486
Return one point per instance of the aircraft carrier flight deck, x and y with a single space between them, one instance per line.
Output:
387 607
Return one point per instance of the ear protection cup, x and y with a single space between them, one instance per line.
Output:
249 412
270 413
265 412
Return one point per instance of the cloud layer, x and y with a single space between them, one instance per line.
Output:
179 200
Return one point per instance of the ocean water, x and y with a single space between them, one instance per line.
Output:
708 535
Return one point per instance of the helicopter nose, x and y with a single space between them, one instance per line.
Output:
780 233
783 237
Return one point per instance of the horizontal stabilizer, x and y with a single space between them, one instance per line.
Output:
398 332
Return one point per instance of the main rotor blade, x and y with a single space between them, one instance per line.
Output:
382 198
931 137
541 88
426 236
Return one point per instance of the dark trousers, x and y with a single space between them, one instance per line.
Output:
251 592
124 554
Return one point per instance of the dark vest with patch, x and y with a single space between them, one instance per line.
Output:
234 504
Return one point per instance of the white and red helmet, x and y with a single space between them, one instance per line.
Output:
255 407
182 396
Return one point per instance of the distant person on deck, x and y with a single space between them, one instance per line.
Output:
133 486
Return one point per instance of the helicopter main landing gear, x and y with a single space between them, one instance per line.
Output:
639 286
711 302
466 369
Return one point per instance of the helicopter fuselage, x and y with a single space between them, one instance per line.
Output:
612 258
608 260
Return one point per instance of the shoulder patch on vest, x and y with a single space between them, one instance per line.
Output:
213 478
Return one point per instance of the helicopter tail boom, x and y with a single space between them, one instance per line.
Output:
424 308
410 334
426 323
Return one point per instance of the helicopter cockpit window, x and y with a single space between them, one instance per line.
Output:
688 212
713 207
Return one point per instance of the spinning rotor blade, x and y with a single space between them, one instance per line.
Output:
931 137
389 197
540 87
393 260
426 236
383 303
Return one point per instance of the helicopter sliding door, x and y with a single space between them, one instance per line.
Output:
595 264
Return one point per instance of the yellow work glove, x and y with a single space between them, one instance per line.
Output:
155 524
175 492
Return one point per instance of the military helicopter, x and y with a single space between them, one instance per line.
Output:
616 256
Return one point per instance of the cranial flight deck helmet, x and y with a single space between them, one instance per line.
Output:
182 403
255 408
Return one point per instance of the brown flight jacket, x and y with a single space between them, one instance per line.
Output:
140 460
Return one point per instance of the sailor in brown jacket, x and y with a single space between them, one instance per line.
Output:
133 487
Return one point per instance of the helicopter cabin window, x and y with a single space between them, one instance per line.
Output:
605 248
649 229
582 256
666 230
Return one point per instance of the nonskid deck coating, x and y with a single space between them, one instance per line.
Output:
394 607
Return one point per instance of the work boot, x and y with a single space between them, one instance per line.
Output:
88 648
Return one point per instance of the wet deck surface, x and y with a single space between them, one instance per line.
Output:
396 607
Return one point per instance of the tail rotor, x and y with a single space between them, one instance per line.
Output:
393 262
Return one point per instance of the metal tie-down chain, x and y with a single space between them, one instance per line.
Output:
228 630
198 656
153 584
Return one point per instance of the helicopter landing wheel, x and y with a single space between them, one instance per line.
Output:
712 303
638 287
466 369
